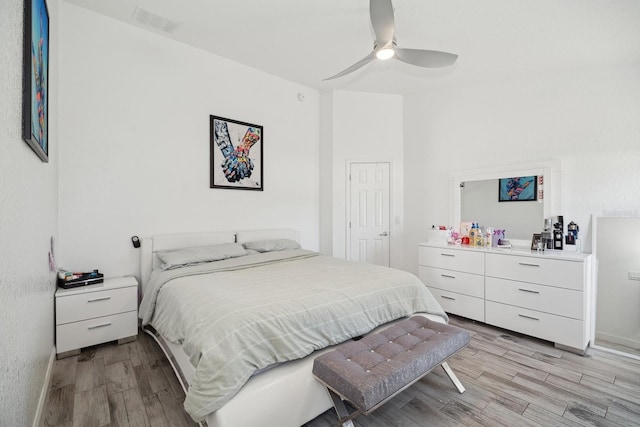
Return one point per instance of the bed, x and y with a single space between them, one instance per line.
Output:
268 306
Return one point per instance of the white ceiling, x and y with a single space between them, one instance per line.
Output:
305 41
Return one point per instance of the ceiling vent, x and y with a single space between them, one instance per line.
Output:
157 22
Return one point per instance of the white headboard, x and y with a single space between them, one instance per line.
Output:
162 242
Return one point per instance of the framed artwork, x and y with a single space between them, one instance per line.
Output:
35 78
517 189
236 154
536 242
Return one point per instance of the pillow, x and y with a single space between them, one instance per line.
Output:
190 256
272 245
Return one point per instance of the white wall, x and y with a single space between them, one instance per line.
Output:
28 218
588 120
134 158
366 127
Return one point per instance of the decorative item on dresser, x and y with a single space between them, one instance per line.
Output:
543 294
93 314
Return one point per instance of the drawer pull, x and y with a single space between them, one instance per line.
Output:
99 299
528 290
102 325
448 276
529 265
452 255
446 297
528 317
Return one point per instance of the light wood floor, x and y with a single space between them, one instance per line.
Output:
511 380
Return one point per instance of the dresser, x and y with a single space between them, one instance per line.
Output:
543 294
90 315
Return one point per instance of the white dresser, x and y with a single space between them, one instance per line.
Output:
543 294
90 315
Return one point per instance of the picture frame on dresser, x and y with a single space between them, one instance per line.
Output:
535 240
236 154
35 78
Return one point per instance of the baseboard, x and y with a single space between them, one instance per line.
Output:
615 339
37 419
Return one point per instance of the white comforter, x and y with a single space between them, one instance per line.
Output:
240 315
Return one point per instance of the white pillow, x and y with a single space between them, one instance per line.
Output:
272 245
190 256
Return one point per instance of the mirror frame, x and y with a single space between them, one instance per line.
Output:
552 186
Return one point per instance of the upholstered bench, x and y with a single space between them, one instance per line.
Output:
370 371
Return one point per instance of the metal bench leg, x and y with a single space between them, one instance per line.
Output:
344 418
456 382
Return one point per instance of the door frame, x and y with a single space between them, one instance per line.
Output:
347 221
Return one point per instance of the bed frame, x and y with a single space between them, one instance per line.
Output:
286 395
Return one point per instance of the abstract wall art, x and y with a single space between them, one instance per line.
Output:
236 154
517 189
35 98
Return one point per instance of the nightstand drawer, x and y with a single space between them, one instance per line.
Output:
454 281
452 259
89 305
72 336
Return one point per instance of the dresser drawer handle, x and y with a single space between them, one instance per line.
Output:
452 255
528 290
529 265
99 299
446 297
102 325
528 317
448 276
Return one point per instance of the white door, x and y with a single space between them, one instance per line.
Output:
369 213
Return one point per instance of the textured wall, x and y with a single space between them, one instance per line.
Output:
588 119
28 217
134 121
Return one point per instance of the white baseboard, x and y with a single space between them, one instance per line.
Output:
37 419
615 339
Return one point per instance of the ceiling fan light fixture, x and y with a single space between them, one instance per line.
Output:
385 53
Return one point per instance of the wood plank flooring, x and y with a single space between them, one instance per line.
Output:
511 380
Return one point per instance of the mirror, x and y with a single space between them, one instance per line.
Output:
479 203
502 214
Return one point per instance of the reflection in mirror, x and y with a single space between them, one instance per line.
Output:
479 203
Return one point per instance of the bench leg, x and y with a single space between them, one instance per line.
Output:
456 382
344 418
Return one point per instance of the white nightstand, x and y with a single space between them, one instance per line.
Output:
90 315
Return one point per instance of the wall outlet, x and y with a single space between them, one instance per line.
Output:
634 275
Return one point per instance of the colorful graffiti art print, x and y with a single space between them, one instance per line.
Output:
236 154
35 105
517 189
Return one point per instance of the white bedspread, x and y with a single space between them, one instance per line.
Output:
240 315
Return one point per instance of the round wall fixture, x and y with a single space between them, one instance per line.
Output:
300 97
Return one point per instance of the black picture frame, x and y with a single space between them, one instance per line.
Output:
518 189
35 78
236 154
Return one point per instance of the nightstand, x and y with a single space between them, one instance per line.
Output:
94 314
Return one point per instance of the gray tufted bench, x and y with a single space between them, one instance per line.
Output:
372 370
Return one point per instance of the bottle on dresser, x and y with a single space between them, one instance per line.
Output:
472 234
479 236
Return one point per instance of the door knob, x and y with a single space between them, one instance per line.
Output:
384 234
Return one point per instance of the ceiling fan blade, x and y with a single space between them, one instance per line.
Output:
381 12
425 58
364 61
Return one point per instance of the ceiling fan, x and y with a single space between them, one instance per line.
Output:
385 47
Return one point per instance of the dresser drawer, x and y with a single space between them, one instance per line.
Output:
561 330
454 281
551 272
451 259
72 336
560 301
88 305
462 305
